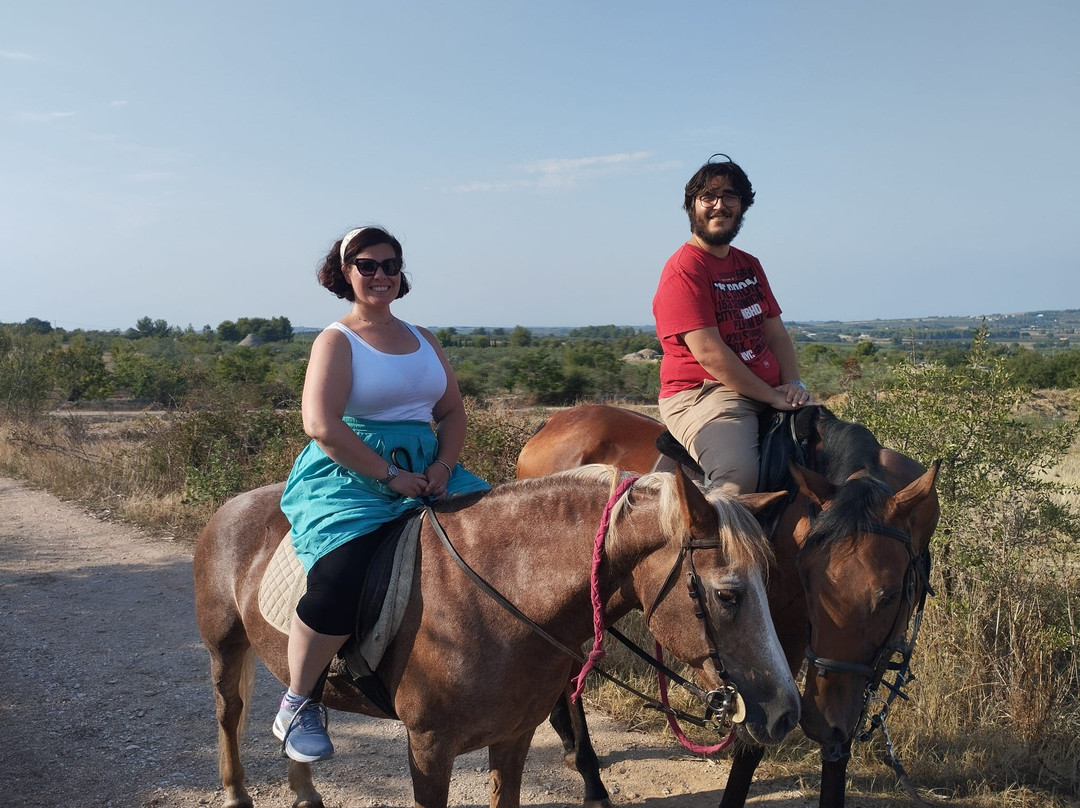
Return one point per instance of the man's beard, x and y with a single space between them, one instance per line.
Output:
699 228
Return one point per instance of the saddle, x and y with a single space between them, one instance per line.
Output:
782 437
383 600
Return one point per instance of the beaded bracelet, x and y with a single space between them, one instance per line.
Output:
798 383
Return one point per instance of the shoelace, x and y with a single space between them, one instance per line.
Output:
309 711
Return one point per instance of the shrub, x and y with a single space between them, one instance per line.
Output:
1004 555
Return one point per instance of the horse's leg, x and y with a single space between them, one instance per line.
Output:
300 783
744 762
569 722
430 765
506 762
834 776
232 674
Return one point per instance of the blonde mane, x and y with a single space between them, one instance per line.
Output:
742 542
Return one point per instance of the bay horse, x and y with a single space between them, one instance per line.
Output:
850 566
463 672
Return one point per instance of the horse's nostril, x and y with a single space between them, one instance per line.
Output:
788 721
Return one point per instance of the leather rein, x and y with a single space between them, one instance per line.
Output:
894 654
718 705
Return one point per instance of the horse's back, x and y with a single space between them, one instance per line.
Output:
591 433
240 536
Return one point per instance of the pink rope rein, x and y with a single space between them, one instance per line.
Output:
597 652
661 681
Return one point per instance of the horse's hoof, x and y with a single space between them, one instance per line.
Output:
604 803
309 804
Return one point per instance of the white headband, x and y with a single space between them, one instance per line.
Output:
345 241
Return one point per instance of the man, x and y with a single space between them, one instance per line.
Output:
727 356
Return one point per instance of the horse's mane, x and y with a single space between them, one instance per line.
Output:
742 542
851 512
846 448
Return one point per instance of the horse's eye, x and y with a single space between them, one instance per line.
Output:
885 599
728 597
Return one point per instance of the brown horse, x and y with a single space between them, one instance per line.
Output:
847 580
462 672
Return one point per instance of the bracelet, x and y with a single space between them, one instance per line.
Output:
448 469
798 383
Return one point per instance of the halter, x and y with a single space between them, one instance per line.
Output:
896 643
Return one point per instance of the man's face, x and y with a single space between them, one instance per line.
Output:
717 223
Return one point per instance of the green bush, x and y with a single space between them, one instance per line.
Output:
494 438
1004 553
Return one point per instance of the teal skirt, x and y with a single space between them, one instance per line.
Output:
328 505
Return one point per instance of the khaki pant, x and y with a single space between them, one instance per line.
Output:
720 429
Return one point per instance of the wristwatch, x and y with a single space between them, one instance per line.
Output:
391 473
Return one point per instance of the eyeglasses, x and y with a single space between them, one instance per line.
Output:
369 266
729 198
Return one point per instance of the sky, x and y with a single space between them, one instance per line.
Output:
194 161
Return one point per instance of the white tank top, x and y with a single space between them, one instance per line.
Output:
393 387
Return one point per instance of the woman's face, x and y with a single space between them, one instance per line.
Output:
377 289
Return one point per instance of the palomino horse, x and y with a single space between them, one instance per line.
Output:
462 672
848 579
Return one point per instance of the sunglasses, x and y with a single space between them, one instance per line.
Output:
369 266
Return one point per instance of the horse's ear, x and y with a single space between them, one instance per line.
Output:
815 487
698 515
917 504
756 503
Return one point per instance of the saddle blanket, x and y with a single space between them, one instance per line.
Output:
285 582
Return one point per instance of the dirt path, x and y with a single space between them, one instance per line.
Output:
105 701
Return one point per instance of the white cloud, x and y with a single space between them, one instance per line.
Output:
490 187
41 117
153 176
562 172
16 56
117 104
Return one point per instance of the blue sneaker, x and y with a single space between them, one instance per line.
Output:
303 732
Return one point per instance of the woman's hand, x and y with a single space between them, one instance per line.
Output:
409 484
438 475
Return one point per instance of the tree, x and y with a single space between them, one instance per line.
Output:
78 371
145 327
520 337
244 366
24 377
35 326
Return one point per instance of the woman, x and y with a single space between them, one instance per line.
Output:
374 384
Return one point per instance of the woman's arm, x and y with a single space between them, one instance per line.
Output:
450 422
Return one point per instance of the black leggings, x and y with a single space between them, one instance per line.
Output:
334 585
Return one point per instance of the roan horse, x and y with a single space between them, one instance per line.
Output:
851 555
462 672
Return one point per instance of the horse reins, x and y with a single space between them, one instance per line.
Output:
894 645
716 703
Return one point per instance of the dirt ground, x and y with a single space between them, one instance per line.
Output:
105 699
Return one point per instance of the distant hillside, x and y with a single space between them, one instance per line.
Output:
1059 326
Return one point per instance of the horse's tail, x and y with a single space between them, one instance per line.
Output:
246 687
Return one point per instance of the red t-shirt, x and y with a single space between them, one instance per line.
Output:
698 290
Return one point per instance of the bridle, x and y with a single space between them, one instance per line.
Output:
718 705
894 654
722 701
